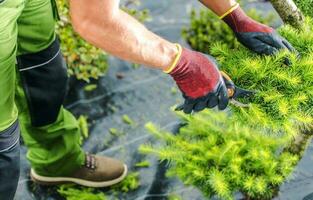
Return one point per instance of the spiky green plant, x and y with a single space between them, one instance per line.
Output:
220 155
130 183
245 150
69 192
83 125
306 6
74 192
284 97
143 164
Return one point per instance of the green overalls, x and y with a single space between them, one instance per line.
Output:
32 88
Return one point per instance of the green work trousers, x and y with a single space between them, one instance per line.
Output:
28 27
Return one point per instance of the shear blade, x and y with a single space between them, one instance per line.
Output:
239 104
241 93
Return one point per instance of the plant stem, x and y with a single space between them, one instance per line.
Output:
299 145
289 12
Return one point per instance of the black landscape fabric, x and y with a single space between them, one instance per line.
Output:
144 95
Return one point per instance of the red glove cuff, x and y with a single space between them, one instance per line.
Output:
238 21
195 74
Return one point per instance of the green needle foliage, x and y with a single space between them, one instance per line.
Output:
90 87
174 197
83 125
130 183
220 155
143 164
69 192
284 95
306 6
127 120
245 150
74 192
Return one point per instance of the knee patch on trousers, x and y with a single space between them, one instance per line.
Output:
44 79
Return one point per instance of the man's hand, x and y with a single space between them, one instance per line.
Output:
254 35
200 81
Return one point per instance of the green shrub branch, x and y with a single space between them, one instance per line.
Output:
251 150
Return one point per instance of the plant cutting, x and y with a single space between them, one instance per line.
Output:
247 149
283 96
280 88
221 155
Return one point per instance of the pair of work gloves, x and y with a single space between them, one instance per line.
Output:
197 75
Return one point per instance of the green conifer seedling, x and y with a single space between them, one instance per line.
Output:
243 150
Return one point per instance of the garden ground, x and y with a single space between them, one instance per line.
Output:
143 95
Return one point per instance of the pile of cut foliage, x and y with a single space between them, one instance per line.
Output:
245 150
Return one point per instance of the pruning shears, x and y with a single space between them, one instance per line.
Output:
235 92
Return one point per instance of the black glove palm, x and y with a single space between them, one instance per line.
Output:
256 36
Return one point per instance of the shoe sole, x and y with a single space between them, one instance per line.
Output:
44 180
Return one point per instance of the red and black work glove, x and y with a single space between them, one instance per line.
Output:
255 36
200 81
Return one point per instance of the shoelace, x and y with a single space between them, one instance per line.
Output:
90 161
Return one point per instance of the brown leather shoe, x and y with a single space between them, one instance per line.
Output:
98 171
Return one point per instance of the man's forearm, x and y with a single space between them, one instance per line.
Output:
124 37
219 7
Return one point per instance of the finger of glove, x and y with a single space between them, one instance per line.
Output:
259 46
201 105
272 40
188 106
223 99
202 102
212 101
262 48
279 43
291 49
288 46
180 107
251 41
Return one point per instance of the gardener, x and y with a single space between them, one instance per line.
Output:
32 96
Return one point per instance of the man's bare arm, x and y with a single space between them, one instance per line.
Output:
104 25
219 7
